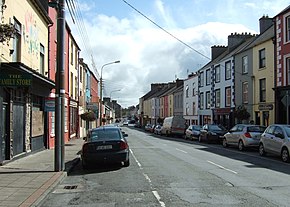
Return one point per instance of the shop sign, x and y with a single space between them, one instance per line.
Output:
22 80
49 104
263 107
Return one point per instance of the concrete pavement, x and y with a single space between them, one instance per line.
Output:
26 181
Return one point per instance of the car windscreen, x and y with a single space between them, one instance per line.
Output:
105 134
287 129
196 128
216 128
259 129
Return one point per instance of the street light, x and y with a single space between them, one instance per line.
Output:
101 88
113 92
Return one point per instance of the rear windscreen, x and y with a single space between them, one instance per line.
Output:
105 135
260 129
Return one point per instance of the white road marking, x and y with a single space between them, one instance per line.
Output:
157 196
181 150
155 193
138 163
221 167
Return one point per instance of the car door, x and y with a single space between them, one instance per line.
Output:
268 138
278 140
230 135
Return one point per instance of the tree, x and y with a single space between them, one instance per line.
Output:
241 113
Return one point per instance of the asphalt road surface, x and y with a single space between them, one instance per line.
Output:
172 172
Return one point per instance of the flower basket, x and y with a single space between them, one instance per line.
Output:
7 32
88 116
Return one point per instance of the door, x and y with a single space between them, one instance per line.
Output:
278 140
2 131
18 129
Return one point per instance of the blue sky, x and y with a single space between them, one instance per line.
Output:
148 55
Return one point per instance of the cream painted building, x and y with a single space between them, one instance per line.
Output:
263 72
24 81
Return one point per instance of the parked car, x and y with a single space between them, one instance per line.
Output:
174 125
192 132
105 145
243 136
212 133
157 129
148 127
276 140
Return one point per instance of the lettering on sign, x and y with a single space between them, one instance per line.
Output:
15 80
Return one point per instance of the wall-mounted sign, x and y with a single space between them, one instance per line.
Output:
49 104
9 79
263 107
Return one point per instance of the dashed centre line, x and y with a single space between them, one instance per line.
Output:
222 167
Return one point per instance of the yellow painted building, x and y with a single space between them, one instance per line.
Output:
263 71
24 82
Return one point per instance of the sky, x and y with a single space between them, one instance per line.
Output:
157 41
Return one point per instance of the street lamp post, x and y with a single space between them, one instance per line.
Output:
101 88
113 92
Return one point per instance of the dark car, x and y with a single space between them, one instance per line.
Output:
105 145
212 133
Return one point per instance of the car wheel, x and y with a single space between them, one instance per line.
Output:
127 163
262 150
285 155
85 166
200 138
241 145
225 144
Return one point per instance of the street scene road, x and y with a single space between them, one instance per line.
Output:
173 172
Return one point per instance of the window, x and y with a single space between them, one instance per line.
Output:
76 58
217 74
81 74
263 90
288 69
52 123
71 53
186 91
207 99
217 98
228 96
193 109
287 29
41 54
201 79
186 109
65 118
76 87
17 42
245 92
207 77
228 70
245 64
201 100
262 58
71 84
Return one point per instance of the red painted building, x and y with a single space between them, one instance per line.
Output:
282 65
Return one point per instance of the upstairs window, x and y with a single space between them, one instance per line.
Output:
186 91
201 79
245 92
201 100
41 59
228 70
245 64
262 58
217 74
207 77
263 90
217 98
207 99
17 42
228 96
287 32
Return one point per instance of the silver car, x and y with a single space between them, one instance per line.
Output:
244 135
192 132
276 140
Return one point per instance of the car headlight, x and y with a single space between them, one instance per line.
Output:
213 133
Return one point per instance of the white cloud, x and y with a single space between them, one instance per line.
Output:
148 54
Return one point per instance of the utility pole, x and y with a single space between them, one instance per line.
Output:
60 90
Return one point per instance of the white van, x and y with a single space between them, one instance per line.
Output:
173 125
